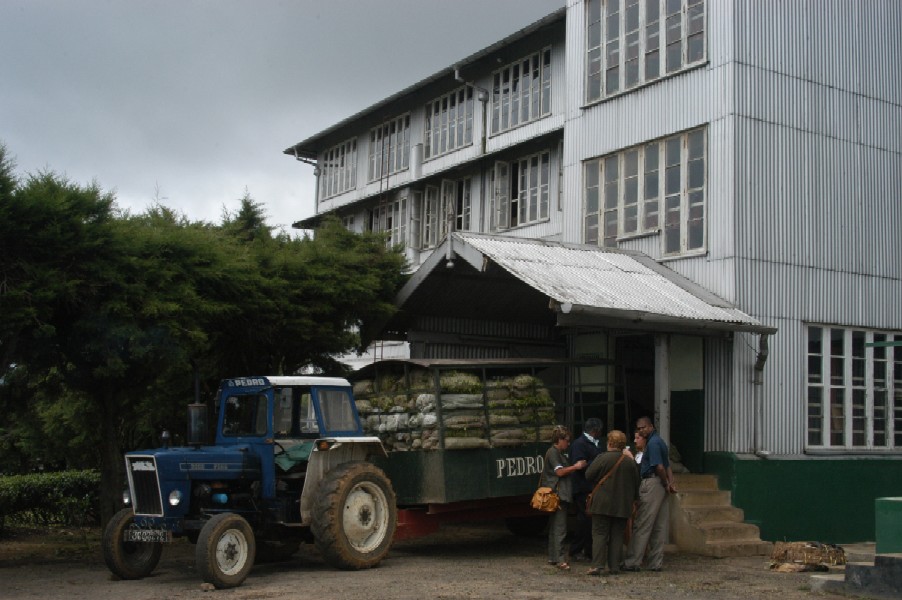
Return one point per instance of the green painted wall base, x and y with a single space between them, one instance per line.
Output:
825 499
889 525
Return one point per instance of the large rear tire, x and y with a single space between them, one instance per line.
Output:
225 551
128 560
354 516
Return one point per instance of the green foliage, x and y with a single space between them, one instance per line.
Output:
106 317
62 498
458 382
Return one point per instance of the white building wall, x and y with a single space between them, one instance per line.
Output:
802 104
802 101
818 168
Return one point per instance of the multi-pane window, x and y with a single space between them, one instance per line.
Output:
348 222
391 218
449 122
521 191
521 91
389 148
854 388
625 193
445 208
631 42
338 169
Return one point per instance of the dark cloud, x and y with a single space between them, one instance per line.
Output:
194 101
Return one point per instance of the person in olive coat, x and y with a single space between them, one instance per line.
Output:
612 502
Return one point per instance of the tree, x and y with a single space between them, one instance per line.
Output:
249 222
108 317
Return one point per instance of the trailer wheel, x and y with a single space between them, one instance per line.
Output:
354 516
128 560
225 550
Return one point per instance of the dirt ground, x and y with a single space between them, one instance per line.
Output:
460 561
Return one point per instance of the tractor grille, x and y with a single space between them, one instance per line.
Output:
145 485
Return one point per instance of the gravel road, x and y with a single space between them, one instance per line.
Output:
461 561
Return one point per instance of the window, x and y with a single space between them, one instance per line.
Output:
854 389
624 193
391 218
245 415
293 414
389 148
448 206
283 414
348 222
307 414
456 196
625 40
521 191
521 91
449 123
338 169
337 413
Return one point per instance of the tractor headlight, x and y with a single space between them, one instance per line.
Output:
175 498
126 498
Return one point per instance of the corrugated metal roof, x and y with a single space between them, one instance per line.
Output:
619 284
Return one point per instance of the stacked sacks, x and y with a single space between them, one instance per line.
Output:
520 410
504 412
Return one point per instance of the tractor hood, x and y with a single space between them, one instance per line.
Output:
204 462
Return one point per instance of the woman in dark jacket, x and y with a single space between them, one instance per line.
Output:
612 502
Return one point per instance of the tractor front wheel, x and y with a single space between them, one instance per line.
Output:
128 560
225 550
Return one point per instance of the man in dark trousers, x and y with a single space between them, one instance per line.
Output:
585 447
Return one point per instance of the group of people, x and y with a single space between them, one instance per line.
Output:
609 484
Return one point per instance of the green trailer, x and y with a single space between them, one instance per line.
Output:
466 440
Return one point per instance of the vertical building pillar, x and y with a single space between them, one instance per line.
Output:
662 385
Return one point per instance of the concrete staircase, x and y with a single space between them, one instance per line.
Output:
702 521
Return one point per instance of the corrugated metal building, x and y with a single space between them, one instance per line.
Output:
706 192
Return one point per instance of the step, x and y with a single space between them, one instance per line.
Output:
726 531
708 514
881 579
703 498
688 482
723 549
828 583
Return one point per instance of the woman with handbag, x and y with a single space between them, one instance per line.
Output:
555 475
615 477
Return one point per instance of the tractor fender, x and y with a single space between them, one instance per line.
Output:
329 453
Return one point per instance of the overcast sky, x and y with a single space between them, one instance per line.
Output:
193 102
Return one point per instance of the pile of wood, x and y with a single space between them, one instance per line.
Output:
454 410
794 557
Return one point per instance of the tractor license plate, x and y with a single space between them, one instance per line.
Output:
148 535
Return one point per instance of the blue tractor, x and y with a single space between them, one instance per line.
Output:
289 464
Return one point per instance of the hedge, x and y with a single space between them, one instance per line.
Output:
67 498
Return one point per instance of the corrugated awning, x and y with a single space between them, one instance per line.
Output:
505 278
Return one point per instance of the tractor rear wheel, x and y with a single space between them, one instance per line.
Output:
354 516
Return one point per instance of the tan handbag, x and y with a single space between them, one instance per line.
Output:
545 499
